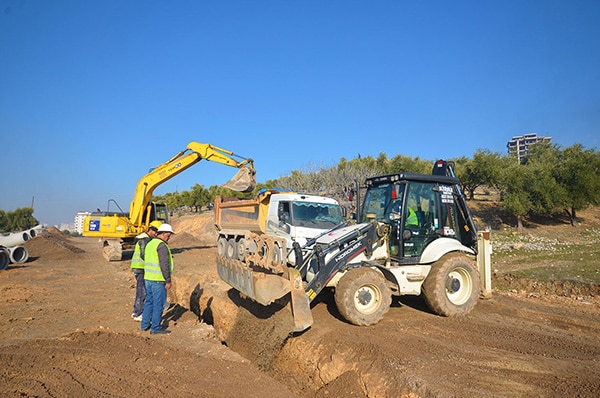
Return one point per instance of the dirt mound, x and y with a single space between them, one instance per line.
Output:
184 240
572 289
52 244
200 226
80 365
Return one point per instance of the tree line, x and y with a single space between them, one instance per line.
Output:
550 181
17 220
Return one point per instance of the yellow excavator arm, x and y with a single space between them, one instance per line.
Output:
244 180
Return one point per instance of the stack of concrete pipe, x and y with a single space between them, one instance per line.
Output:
11 250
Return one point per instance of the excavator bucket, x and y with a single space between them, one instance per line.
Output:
243 181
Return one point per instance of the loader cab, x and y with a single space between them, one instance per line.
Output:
418 208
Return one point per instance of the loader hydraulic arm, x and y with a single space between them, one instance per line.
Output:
349 246
243 181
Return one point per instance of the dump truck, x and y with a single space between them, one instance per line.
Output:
117 230
274 213
414 235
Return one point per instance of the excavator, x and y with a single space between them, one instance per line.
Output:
414 235
117 230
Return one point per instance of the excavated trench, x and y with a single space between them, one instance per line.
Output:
533 340
303 362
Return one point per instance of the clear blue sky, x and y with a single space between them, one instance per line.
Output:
95 93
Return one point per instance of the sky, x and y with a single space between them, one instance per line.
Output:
93 94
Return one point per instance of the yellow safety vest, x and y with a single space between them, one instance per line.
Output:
137 260
152 270
411 218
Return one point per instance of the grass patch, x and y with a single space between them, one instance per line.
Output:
577 262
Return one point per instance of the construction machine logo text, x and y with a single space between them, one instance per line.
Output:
348 251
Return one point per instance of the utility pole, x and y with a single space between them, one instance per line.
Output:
32 200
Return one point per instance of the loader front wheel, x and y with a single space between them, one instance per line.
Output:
362 296
452 286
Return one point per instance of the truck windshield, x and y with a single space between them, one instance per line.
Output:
316 215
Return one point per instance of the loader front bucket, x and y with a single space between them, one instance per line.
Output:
243 181
266 287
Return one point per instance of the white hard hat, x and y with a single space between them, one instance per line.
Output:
165 228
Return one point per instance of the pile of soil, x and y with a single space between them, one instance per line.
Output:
52 244
572 289
199 225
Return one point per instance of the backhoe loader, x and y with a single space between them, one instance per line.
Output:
415 234
117 230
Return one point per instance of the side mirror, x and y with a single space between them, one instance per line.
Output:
406 234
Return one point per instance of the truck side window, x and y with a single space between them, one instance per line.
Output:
283 212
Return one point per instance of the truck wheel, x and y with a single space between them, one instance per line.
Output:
241 249
362 296
452 286
221 246
231 249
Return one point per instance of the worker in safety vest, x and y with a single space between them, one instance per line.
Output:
137 266
411 218
158 266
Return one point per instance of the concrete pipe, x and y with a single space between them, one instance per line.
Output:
4 258
35 231
18 254
14 239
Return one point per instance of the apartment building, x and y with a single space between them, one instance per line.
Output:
519 146
78 223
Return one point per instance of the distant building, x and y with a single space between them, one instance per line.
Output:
78 223
65 227
519 146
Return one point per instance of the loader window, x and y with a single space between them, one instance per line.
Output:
448 219
377 200
421 199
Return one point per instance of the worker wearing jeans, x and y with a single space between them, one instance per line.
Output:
158 266
137 266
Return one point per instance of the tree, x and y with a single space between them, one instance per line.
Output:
3 221
17 220
199 197
515 196
543 188
485 169
578 172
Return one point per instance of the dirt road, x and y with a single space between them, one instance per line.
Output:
66 331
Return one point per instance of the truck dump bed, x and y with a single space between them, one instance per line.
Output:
246 214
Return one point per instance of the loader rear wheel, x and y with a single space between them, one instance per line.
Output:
363 296
452 286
